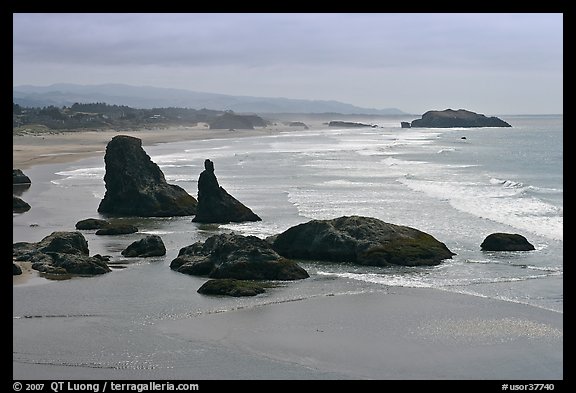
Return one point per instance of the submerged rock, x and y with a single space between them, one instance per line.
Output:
236 256
135 186
405 124
215 205
506 242
461 118
232 287
19 205
361 240
150 246
61 253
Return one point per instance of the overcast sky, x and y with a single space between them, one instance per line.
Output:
488 63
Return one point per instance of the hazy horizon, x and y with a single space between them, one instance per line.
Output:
486 63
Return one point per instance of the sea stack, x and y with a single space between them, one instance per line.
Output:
135 186
215 205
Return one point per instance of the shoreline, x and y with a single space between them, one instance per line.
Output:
55 147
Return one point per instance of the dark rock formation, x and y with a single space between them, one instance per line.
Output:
215 205
298 124
16 270
92 223
348 124
506 242
117 229
61 253
18 177
461 118
362 240
232 287
229 120
19 206
236 256
135 186
77 264
405 124
150 246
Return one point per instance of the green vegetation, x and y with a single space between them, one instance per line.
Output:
101 115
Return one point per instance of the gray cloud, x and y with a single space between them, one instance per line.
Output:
302 49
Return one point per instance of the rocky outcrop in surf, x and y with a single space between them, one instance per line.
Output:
61 253
215 205
236 256
18 177
117 228
135 186
19 205
150 246
361 240
506 242
460 118
233 287
91 223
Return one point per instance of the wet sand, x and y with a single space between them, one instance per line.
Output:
408 333
61 147
401 334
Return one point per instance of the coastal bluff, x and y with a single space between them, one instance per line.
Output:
135 186
450 118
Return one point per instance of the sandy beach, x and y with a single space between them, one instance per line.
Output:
55 147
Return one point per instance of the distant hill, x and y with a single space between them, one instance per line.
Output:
146 97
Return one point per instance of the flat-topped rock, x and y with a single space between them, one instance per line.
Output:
450 118
361 240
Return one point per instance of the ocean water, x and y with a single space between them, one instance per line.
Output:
459 185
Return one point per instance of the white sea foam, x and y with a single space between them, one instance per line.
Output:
83 173
497 201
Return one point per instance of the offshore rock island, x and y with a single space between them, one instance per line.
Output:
450 118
